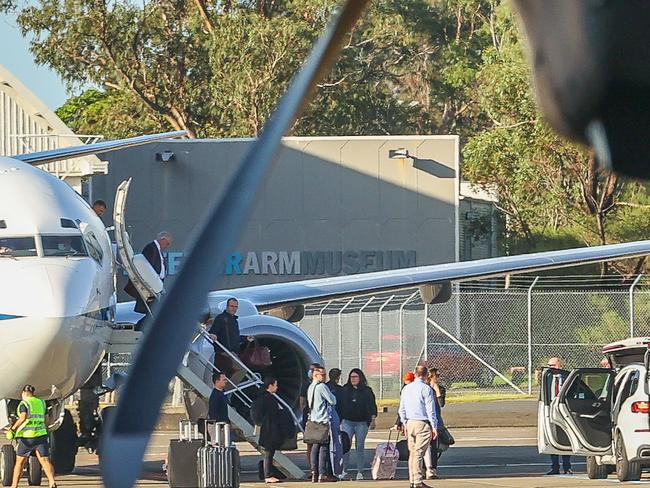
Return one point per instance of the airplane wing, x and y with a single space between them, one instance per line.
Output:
44 157
277 295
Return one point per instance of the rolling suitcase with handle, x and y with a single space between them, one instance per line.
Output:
218 463
384 463
181 457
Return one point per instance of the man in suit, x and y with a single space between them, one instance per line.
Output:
153 253
556 386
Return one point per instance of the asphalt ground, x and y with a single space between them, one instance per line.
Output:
482 457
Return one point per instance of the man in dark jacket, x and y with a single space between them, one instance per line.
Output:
152 253
218 404
334 384
225 329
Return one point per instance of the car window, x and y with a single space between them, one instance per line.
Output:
630 386
63 245
589 387
17 247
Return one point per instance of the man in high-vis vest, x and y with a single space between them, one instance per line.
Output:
31 431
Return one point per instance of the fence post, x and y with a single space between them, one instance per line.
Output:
381 347
361 330
530 336
320 328
401 332
638 278
341 332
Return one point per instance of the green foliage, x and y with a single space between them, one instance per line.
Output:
217 69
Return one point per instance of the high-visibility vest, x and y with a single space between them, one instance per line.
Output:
35 425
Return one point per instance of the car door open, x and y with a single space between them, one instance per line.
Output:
551 437
585 406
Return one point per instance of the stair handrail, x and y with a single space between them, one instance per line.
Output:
253 375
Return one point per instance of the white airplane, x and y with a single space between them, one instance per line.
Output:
57 294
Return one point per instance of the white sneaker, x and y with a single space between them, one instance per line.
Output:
359 476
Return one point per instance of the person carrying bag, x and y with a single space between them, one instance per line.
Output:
317 428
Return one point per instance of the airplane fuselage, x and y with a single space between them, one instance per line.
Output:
57 296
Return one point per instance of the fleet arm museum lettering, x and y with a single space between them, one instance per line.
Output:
316 262
306 263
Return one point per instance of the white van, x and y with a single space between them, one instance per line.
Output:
600 413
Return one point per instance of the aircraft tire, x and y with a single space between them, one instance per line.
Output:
104 415
34 471
596 471
63 446
7 463
625 470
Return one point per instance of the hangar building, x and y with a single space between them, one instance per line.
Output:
332 206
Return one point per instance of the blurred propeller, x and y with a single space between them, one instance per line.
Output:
169 333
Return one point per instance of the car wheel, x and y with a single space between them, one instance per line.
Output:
596 471
625 470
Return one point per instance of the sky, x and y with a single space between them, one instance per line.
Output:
15 56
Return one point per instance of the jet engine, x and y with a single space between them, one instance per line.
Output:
292 351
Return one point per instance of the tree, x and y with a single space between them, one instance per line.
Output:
218 69
548 188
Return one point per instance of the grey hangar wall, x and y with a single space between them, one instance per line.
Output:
332 205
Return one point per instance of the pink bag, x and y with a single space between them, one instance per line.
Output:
384 464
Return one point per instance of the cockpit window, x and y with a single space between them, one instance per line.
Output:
63 245
17 247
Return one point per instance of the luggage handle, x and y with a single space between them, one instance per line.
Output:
187 430
219 434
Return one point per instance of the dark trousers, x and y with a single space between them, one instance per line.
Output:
555 462
434 453
319 455
268 462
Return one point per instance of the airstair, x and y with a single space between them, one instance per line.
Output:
196 374
196 371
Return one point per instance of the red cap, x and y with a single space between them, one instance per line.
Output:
408 377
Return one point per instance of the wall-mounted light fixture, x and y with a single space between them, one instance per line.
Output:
165 156
400 153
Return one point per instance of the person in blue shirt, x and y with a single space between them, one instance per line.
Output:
417 412
320 399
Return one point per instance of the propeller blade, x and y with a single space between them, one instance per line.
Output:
169 333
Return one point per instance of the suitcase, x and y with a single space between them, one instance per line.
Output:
181 457
218 464
384 464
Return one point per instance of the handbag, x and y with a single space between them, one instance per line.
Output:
315 432
445 437
255 356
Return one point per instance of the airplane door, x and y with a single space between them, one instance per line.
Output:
551 435
585 406
140 272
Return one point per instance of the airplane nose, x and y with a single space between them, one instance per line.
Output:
47 290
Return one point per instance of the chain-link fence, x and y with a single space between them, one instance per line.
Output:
490 336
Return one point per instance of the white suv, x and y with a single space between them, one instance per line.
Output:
600 413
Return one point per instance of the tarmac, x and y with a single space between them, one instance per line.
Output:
485 456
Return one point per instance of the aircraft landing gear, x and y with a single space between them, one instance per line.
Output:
7 463
63 446
34 471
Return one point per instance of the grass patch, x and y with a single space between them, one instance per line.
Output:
469 397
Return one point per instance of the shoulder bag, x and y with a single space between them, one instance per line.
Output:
315 432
